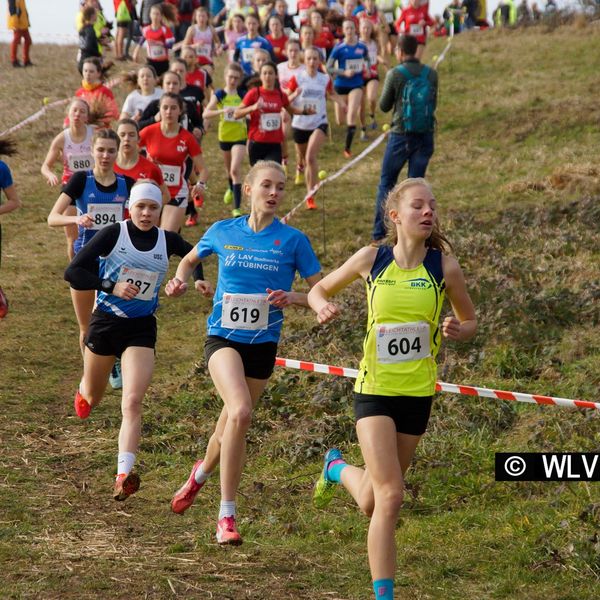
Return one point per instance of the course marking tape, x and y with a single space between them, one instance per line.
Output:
337 174
442 56
40 113
441 386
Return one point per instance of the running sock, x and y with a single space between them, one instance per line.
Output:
335 468
230 183
125 462
349 136
200 475
227 509
384 589
237 194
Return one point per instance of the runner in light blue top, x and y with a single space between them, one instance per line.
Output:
258 258
250 263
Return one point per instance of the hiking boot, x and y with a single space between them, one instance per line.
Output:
184 497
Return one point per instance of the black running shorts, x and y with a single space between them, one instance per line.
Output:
258 359
109 335
410 413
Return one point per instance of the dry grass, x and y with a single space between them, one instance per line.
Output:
515 175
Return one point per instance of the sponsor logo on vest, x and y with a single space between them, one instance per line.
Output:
419 284
158 256
228 247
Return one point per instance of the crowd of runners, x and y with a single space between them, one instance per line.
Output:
132 178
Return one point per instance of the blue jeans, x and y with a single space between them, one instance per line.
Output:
417 149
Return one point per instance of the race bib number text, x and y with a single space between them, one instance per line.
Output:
145 280
171 174
104 215
355 65
245 311
80 162
157 51
270 121
402 342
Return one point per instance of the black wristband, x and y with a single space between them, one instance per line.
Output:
107 286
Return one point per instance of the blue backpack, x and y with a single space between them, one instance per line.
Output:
417 101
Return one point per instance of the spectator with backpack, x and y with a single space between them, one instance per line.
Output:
410 89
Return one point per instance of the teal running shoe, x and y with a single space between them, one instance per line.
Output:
324 487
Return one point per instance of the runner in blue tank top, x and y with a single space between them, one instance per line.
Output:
348 61
134 258
100 197
245 46
258 258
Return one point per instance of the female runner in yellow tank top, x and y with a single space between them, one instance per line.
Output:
405 285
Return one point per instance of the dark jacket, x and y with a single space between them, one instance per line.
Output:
393 88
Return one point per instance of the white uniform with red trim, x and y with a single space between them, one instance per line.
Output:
313 95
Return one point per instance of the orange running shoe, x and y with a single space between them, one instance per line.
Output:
125 485
184 497
82 407
227 533
3 304
192 220
347 154
310 203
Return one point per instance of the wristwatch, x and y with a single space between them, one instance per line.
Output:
107 286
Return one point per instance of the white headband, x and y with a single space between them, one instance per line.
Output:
148 192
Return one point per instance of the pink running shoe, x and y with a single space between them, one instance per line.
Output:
184 497
82 407
227 533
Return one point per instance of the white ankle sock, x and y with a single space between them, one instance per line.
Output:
200 476
125 462
227 509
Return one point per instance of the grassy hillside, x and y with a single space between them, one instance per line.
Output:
516 175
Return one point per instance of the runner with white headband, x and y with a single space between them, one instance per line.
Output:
134 257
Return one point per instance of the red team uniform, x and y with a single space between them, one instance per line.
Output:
411 18
143 169
265 123
170 155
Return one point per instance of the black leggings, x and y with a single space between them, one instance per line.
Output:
262 151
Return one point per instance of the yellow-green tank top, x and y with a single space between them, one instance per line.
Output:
398 296
230 130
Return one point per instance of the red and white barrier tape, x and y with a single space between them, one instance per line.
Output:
40 113
337 174
440 386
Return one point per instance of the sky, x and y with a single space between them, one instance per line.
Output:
54 20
